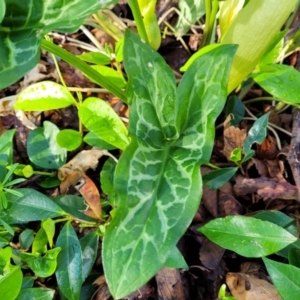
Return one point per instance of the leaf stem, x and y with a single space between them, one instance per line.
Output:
84 68
138 19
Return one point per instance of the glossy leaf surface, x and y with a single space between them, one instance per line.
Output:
285 278
32 206
157 179
101 119
10 283
44 95
246 236
280 81
36 293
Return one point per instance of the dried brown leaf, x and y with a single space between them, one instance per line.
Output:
248 287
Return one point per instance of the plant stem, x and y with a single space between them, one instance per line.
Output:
138 19
84 68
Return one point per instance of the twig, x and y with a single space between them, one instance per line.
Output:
294 151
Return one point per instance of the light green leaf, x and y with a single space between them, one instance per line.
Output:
2 10
45 95
89 248
280 81
40 242
191 12
32 206
25 23
49 227
247 236
10 283
256 134
111 75
36 293
43 149
157 178
6 149
69 263
217 178
285 278
95 58
94 140
5 256
42 266
69 139
100 118
254 30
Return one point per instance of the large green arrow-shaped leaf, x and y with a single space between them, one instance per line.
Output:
157 179
24 24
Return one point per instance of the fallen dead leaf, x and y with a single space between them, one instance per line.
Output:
88 190
84 160
248 287
266 188
234 137
267 149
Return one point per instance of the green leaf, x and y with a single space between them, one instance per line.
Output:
43 149
42 266
32 206
95 58
69 139
294 257
27 282
236 108
217 178
69 263
236 155
274 216
45 95
40 242
48 182
112 75
280 81
6 149
256 134
89 248
247 236
5 256
100 118
36 293
74 206
7 227
26 238
94 140
157 178
107 178
25 24
255 35
49 227
285 278
191 11
10 283
19 54
2 10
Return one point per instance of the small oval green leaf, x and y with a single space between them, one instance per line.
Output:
10 283
97 116
44 95
69 139
247 236
43 149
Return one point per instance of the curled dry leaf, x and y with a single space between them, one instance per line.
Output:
234 137
84 160
247 287
88 190
266 188
267 149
